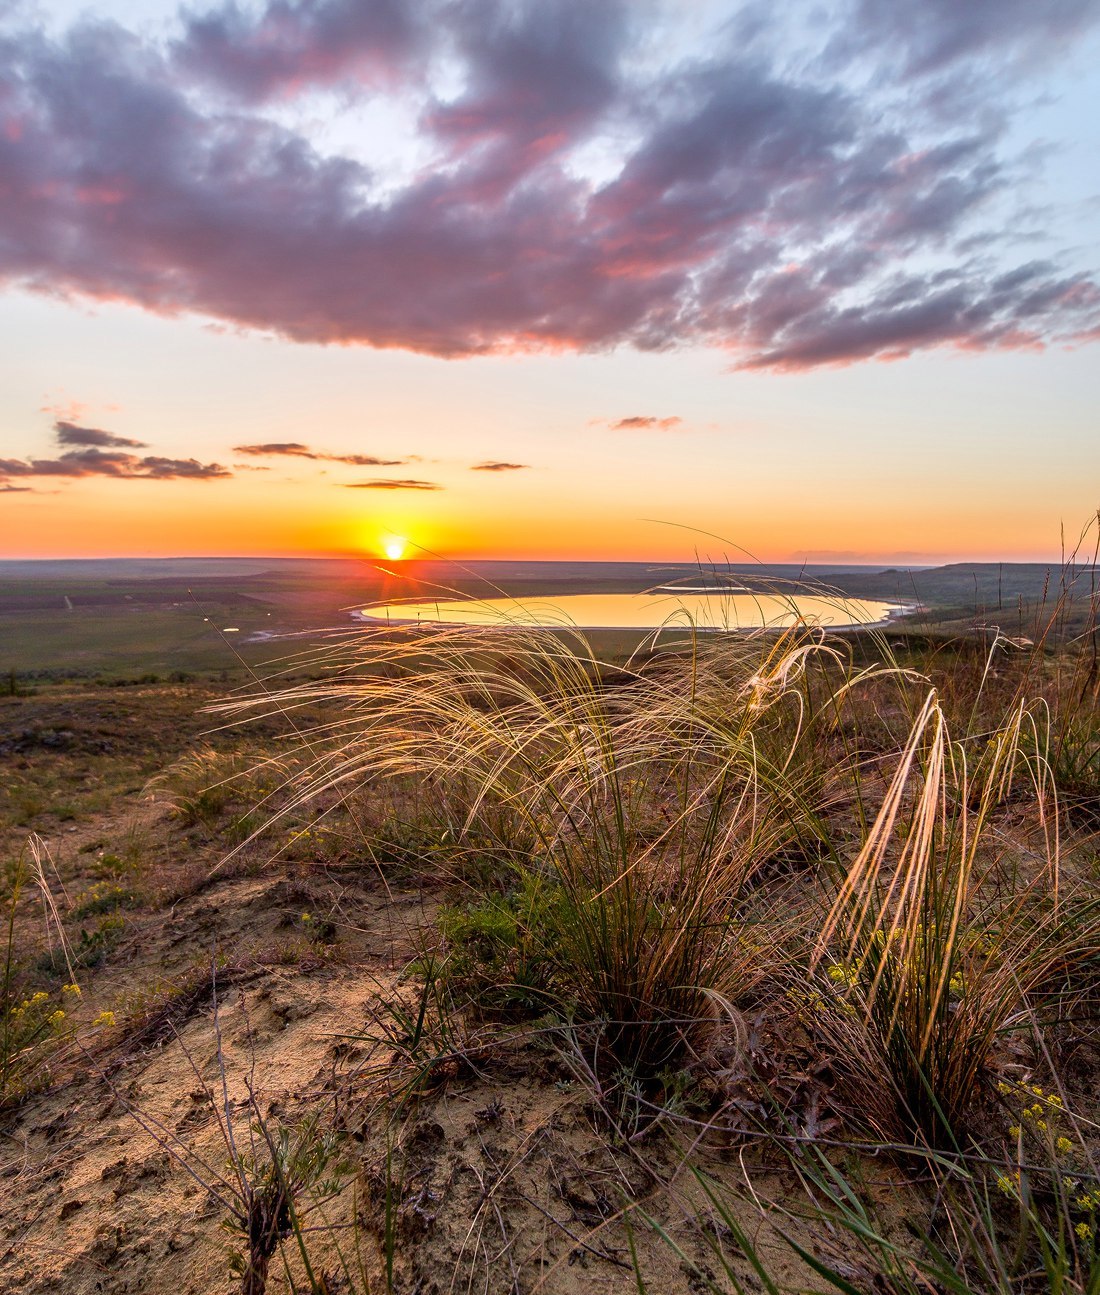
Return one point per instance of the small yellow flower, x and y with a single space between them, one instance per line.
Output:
1041 1125
1063 1145
1004 1089
1014 1130
1083 1231
307 917
55 1018
1054 1100
1006 1185
104 1018
73 989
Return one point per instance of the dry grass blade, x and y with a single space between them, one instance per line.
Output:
936 941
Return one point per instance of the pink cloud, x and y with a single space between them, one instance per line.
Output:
771 215
646 423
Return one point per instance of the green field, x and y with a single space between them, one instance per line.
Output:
119 620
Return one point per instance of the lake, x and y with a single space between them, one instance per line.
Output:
645 611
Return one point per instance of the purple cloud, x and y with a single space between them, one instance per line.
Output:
397 484
100 463
295 449
645 423
909 315
71 434
539 77
791 220
495 466
932 36
292 44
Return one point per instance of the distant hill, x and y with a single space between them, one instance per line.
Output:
964 585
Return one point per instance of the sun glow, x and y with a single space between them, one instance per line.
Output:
394 547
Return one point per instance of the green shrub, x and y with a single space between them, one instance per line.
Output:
501 955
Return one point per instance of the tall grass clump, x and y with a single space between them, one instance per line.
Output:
649 805
940 943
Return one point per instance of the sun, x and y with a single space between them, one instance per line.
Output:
394 548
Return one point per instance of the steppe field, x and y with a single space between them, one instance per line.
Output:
340 958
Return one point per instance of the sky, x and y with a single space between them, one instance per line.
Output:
550 278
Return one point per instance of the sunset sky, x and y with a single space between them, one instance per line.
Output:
550 278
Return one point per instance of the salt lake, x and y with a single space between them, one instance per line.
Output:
704 609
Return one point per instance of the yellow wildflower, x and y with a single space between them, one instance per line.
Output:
1083 1231
73 989
1014 1130
1064 1145
104 1018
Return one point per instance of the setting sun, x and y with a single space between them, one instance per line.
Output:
394 548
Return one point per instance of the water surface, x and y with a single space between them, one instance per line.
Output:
723 611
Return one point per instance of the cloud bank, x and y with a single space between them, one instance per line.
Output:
800 189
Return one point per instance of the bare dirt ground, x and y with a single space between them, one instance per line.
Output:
274 992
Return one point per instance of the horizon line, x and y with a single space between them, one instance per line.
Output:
885 562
